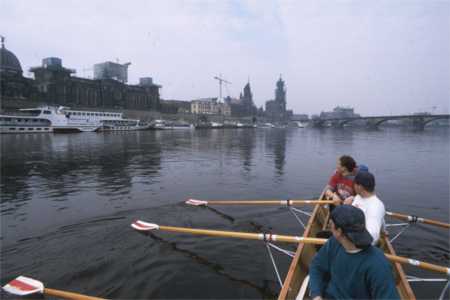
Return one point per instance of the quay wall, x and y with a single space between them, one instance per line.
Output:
11 105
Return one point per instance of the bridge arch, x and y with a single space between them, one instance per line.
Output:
431 119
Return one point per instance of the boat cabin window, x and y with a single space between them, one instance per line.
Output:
32 112
47 112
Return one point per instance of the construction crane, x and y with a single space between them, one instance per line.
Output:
220 79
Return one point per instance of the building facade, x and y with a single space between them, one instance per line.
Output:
210 106
53 84
175 107
339 112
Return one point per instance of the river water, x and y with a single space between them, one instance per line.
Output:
67 202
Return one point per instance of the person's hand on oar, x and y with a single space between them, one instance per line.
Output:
24 286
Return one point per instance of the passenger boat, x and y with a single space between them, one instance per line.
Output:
24 124
299 268
64 119
120 124
106 121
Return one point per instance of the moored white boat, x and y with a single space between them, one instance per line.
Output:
24 124
216 125
176 126
64 119
158 124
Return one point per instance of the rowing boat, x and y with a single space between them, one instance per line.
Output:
299 268
296 282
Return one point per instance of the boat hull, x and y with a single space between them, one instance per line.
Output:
122 128
70 129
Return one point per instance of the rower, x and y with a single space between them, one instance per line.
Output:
348 266
369 203
340 185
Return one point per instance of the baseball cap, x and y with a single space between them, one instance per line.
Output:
353 224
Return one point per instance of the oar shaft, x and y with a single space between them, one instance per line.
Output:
68 295
269 202
244 235
418 219
294 239
417 263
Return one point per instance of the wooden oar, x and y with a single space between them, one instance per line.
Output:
417 219
23 286
258 202
309 202
145 226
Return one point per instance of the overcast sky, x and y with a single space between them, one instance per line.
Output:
380 57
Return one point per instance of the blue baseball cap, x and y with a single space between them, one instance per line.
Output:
353 224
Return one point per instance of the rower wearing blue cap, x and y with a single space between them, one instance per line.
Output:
348 266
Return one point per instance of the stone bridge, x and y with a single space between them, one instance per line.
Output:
418 120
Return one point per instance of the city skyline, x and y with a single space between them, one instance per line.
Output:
378 57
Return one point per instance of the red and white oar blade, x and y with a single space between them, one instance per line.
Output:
196 202
144 226
24 286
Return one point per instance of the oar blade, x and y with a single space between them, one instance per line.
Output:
23 286
144 226
195 202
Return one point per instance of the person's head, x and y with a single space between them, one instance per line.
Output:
346 164
348 223
364 182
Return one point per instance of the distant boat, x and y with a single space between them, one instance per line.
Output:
216 125
158 124
300 124
164 125
210 125
178 125
267 125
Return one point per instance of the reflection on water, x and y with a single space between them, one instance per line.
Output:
67 202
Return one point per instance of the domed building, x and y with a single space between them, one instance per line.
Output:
9 64
54 84
14 87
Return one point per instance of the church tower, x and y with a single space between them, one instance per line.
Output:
280 94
